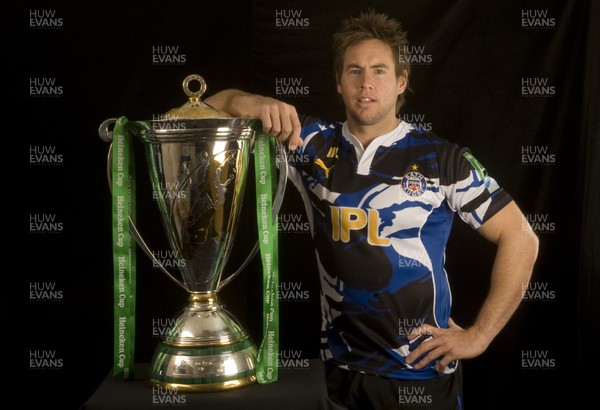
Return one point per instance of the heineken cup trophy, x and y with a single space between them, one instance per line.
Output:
198 162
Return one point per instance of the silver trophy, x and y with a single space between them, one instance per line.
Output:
198 161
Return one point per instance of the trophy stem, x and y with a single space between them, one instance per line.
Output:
206 350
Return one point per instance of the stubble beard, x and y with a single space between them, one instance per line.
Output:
371 120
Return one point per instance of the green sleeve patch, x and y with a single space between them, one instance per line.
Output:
476 164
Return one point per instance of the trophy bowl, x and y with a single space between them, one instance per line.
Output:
198 161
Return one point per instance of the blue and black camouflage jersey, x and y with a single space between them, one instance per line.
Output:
380 219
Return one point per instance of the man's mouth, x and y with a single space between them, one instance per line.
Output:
365 99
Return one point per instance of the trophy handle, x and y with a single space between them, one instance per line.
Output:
140 241
281 185
107 135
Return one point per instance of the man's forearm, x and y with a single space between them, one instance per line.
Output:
278 118
236 103
511 272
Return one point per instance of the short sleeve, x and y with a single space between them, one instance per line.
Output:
468 188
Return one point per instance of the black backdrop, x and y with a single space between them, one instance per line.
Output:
516 81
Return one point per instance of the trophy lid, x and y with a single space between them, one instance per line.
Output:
196 121
195 108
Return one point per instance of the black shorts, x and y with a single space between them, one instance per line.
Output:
357 391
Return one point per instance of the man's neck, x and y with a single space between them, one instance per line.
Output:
367 133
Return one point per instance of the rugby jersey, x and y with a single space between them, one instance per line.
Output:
380 219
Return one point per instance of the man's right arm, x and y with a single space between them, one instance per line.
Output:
279 119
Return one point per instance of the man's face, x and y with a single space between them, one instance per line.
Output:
368 84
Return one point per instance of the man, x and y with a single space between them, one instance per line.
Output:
380 196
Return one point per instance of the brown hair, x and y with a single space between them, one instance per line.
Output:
371 25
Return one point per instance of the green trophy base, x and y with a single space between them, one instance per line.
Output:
206 350
203 369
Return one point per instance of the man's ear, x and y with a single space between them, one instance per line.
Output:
402 82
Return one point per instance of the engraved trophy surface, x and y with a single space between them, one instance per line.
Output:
198 161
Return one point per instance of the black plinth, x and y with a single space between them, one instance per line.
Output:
301 388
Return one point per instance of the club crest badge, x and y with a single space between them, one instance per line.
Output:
414 183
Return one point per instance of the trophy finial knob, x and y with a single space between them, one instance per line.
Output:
186 86
194 108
